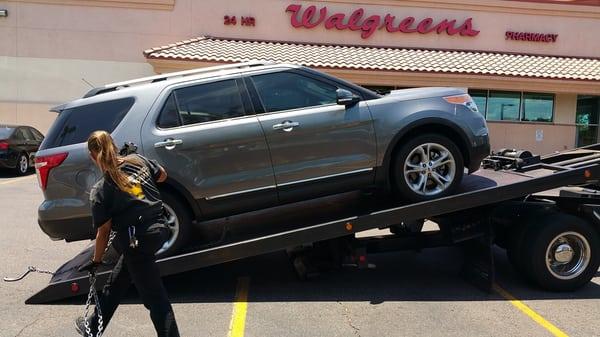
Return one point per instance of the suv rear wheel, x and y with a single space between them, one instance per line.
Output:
427 167
179 221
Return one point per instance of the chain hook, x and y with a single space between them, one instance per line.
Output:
30 269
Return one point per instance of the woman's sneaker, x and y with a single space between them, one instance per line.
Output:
80 325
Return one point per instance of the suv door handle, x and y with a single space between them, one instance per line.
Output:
168 143
286 126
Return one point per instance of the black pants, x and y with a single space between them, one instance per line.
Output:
138 265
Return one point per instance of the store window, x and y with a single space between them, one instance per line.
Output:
587 119
503 106
538 107
480 99
514 106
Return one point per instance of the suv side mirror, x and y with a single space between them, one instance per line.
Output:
345 97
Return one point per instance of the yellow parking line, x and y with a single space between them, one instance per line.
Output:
15 180
530 312
238 316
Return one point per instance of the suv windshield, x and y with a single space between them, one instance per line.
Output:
74 125
5 132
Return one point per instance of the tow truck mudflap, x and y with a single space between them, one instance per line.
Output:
68 282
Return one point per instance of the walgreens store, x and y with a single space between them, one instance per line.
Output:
533 67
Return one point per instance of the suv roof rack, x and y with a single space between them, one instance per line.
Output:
163 77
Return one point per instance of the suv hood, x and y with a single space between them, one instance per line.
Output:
417 93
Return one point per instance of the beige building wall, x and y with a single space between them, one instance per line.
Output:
30 86
542 138
47 47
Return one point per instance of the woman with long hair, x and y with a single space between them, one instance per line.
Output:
127 201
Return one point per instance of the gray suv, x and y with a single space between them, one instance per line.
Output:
250 136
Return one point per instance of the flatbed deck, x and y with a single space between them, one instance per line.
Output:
485 187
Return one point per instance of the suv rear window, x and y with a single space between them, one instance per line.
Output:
75 125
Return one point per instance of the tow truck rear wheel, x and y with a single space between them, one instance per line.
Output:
560 252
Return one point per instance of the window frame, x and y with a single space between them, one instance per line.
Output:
53 138
521 106
520 94
523 93
172 89
299 73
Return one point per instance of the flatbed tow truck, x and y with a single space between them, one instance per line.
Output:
545 211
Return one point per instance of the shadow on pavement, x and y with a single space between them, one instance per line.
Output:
6 174
431 275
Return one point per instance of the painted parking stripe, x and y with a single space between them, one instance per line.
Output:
238 316
15 180
530 312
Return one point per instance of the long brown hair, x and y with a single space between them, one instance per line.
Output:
102 147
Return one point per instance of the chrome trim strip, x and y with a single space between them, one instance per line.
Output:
240 192
325 177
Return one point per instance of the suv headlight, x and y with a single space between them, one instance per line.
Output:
464 99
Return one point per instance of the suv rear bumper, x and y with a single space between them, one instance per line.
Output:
52 222
68 229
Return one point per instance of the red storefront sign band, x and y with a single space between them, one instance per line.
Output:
308 18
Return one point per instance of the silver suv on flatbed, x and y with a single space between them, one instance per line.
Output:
250 136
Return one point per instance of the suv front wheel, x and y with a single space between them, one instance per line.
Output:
427 167
179 223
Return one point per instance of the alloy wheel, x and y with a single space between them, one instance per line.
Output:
23 164
429 169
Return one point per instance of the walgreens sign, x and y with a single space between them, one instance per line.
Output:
311 17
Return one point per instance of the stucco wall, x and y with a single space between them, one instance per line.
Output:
46 49
30 86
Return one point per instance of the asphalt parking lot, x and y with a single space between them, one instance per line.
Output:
408 294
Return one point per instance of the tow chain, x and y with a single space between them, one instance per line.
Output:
30 269
93 294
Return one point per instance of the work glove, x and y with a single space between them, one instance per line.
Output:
91 267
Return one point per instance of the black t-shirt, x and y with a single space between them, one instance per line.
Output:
139 206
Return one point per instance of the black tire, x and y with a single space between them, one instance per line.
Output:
173 203
401 185
22 169
539 238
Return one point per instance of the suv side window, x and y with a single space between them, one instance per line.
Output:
75 125
202 103
286 91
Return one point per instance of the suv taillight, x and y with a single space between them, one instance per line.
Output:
44 164
3 145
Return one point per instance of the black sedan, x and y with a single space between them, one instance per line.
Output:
17 146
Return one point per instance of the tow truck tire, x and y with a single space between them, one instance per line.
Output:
441 180
560 252
179 221
514 248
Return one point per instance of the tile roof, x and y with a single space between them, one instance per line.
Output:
377 58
